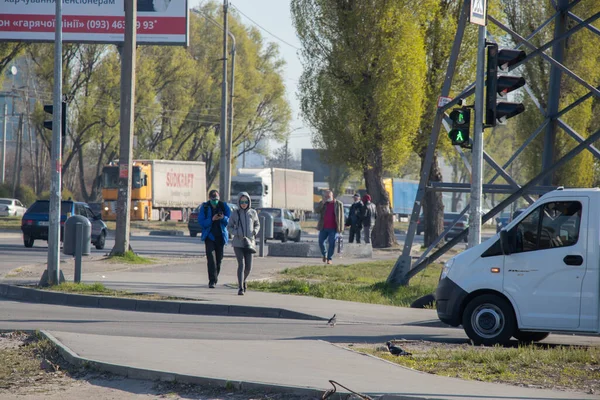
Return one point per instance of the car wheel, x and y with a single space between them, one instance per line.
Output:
298 237
101 242
28 241
530 337
489 320
284 238
193 234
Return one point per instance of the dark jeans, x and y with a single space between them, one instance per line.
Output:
355 232
244 259
327 236
214 256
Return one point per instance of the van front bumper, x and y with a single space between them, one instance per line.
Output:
449 298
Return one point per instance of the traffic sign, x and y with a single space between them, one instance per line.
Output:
443 100
478 14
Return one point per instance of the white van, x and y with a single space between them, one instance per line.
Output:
540 274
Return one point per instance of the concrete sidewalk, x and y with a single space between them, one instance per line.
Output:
279 365
299 366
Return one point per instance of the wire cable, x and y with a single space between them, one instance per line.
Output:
264 29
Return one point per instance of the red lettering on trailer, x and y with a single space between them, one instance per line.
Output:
180 180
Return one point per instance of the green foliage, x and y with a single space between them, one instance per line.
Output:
363 282
5 190
26 195
66 194
130 258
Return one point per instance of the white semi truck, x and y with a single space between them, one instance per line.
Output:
275 187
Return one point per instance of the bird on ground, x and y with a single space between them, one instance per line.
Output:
332 320
397 351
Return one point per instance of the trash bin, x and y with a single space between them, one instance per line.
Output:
268 225
70 236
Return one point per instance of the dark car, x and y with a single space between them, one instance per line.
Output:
193 225
35 221
462 223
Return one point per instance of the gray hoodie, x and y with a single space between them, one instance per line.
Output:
243 223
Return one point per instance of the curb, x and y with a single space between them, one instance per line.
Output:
148 374
20 293
166 233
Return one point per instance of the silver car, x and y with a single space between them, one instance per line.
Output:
285 225
11 208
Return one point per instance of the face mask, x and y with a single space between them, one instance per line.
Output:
214 202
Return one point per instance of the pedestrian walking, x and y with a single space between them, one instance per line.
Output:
330 225
244 226
214 217
355 217
369 216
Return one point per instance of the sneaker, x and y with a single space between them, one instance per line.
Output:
211 285
324 259
241 292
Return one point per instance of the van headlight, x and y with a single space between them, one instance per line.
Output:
446 268
135 208
105 208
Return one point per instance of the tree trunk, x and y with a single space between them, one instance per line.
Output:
433 206
383 232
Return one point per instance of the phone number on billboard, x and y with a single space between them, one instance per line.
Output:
120 25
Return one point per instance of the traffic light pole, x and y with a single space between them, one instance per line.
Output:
126 133
52 276
477 161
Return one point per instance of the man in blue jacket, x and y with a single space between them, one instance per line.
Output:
214 217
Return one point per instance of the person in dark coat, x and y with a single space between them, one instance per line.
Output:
369 216
355 218
214 217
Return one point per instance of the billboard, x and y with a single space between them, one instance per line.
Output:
94 21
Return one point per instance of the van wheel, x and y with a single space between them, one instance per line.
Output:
28 241
530 337
489 320
285 237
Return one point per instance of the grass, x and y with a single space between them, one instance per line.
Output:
30 364
12 223
98 289
130 258
363 282
561 367
309 224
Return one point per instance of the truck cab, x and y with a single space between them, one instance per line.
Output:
539 274
256 183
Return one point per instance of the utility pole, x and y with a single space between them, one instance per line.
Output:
477 160
5 114
230 128
52 276
126 134
223 186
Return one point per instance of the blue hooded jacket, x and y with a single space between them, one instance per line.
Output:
205 220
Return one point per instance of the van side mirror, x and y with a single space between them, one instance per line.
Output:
504 242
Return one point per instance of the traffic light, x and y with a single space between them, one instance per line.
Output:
501 85
461 121
49 108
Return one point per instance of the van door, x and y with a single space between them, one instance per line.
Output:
544 273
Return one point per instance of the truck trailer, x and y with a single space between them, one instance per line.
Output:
275 187
161 189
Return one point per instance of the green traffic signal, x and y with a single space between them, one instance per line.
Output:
461 121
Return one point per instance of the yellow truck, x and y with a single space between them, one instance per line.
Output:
161 189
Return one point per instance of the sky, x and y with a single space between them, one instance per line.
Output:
274 16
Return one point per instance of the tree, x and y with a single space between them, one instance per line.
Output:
283 158
362 86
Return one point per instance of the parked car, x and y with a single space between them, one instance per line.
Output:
11 208
35 221
285 225
193 225
96 208
463 223
421 225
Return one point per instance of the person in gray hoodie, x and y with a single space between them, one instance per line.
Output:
243 226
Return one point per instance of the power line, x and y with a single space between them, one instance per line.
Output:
264 29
